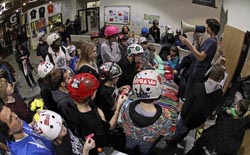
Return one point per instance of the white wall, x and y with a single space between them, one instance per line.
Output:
238 13
171 12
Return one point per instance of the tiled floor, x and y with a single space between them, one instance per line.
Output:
29 94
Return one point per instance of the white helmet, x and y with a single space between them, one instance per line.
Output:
40 35
131 41
44 68
170 32
109 71
134 49
52 37
71 49
48 124
143 40
147 84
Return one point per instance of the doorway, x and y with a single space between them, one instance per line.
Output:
89 19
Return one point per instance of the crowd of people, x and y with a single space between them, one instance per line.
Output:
108 95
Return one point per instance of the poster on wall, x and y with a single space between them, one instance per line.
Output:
150 18
117 14
54 22
38 26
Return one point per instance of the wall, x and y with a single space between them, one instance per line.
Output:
171 12
238 13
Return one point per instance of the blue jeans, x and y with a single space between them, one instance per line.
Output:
143 147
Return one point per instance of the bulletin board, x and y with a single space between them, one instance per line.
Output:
117 14
38 26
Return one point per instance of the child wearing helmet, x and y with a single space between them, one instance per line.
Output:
109 73
82 88
110 49
145 33
44 69
128 64
50 125
143 120
42 47
147 56
74 57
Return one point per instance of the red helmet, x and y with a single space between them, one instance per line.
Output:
82 86
168 74
111 31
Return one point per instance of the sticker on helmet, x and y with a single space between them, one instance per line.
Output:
144 81
137 48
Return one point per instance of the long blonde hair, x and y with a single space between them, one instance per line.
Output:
3 87
86 50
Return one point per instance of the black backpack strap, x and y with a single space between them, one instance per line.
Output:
63 49
51 58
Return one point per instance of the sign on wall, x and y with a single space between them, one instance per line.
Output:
150 18
117 14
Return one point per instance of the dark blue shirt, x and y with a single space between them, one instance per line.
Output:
199 68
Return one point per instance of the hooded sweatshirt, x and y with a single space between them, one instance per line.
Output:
201 102
66 107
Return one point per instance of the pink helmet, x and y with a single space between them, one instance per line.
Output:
111 31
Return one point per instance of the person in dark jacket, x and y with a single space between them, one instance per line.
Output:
183 68
22 58
77 25
59 79
226 136
128 65
42 47
155 31
64 35
200 104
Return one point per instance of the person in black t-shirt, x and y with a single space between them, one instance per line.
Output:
82 88
109 73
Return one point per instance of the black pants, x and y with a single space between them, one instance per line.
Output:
28 77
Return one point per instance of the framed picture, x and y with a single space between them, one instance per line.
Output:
38 26
54 22
117 14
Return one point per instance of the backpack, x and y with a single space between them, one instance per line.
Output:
50 55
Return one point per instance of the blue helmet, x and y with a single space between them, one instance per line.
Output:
144 30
